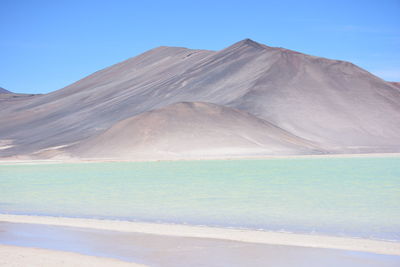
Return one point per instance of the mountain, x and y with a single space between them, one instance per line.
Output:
4 91
332 106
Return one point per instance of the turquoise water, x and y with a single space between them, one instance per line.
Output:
358 197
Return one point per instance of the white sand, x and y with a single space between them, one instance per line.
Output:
252 236
28 160
13 256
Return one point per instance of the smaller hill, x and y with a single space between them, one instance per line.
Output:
191 130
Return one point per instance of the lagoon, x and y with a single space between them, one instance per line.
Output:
352 197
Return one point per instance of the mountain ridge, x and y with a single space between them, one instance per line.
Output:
4 91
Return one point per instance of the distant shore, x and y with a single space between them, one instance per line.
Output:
250 236
16 160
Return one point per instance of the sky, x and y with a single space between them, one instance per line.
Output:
47 45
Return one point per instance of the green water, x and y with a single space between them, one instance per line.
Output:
357 197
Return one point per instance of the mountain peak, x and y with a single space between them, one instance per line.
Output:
248 42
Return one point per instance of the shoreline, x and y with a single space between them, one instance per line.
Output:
16 161
169 251
247 236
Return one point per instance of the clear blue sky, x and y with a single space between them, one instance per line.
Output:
46 45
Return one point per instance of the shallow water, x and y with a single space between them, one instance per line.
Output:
358 197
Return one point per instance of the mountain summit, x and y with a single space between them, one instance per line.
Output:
268 100
248 42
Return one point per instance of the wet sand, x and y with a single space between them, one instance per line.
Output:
242 235
174 250
13 256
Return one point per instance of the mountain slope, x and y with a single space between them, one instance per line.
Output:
331 102
4 91
334 104
92 104
397 84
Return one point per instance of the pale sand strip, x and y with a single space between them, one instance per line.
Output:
252 236
13 256
18 160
